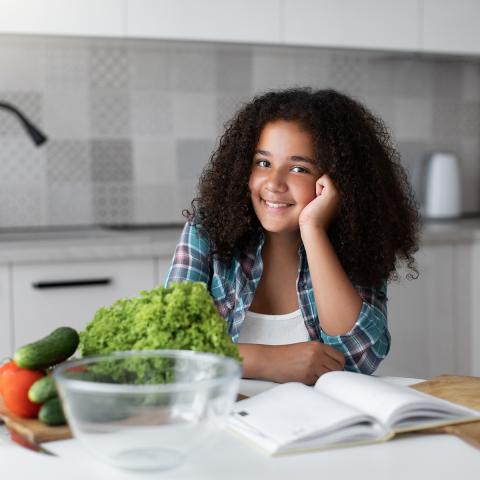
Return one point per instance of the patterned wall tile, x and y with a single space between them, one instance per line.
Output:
68 161
21 206
186 191
469 154
234 71
311 68
21 163
469 124
411 155
109 68
412 119
69 204
66 113
111 161
471 82
109 113
272 68
113 203
154 162
383 107
193 70
227 106
22 61
151 113
149 67
194 115
30 103
446 120
380 77
348 73
156 205
412 78
192 156
447 80
67 66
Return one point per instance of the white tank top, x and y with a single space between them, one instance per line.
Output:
273 329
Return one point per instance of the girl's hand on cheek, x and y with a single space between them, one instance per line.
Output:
303 362
324 207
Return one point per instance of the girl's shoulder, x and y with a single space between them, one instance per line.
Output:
195 236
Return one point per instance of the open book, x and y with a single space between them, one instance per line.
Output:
342 409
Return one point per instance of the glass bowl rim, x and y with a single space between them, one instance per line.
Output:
121 388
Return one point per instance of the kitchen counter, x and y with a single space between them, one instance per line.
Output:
100 243
437 456
87 244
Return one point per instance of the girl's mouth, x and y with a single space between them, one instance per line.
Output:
276 205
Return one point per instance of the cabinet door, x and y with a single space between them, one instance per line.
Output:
217 20
475 306
63 17
46 297
450 27
421 318
5 313
163 264
377 24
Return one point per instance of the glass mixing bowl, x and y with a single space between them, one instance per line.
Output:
147 410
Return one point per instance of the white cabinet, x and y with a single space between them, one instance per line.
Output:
5 317
451 27
63 17
163 264
420 315
474 331
376 24
207 20
430 318
49 296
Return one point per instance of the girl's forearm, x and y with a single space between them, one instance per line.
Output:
255 360
338 302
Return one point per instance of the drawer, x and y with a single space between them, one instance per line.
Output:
68 294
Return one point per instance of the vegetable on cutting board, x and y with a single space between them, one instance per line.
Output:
50 350
27 392
42 390
51 413
16 383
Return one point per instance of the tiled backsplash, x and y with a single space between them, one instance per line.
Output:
131 124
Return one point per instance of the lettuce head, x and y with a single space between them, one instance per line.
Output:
182 316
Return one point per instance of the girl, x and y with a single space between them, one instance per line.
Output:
302 213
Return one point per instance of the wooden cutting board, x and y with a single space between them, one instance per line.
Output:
31 429
458 389
36 432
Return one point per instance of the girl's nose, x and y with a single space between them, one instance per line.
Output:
276 182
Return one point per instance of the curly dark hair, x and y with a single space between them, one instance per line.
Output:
378 221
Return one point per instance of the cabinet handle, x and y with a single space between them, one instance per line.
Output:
88 282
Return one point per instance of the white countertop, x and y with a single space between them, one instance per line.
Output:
97 243
227 457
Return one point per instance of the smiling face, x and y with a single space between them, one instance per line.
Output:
283 175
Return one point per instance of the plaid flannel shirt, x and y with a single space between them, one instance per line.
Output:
233 288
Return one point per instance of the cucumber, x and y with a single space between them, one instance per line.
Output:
51 413
42 390
50 350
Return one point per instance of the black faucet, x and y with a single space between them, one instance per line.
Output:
35 134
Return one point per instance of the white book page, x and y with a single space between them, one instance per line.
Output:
294 411
390 404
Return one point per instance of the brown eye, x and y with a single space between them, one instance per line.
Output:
298 169
262 163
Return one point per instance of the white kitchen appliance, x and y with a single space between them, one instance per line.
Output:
439 186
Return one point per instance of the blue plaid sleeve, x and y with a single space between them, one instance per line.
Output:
368 342
190 260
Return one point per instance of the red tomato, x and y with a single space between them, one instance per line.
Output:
5 367
15 385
